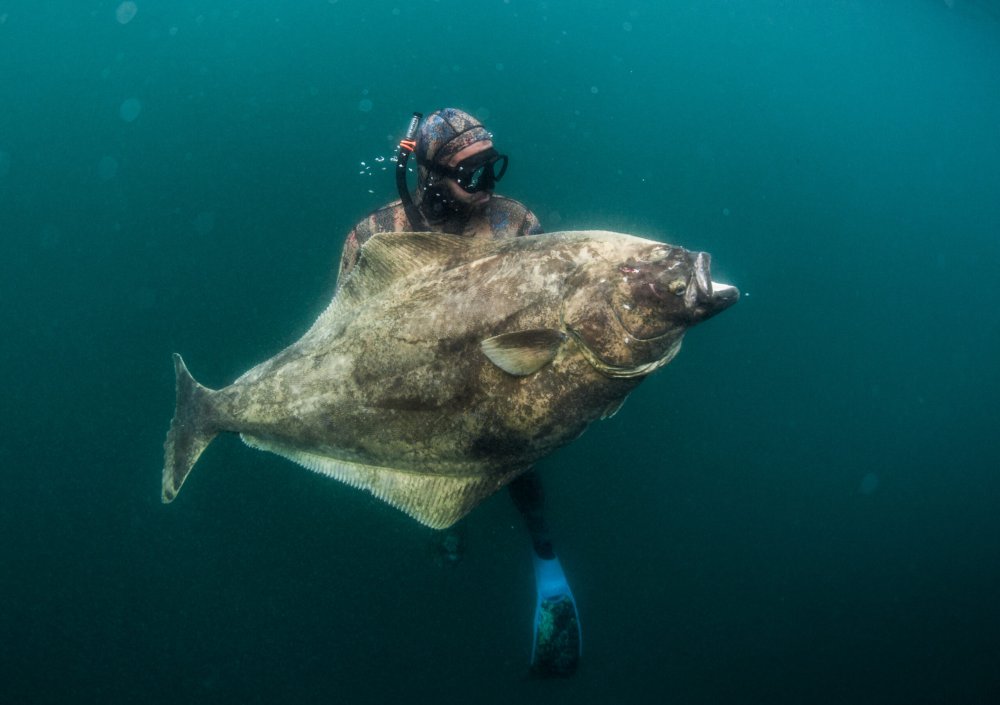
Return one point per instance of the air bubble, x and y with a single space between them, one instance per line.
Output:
126 12
869 483
130 109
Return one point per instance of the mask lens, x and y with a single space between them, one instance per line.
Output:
480 178
480 172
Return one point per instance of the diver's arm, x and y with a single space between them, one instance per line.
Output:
349 255
530 225
389 218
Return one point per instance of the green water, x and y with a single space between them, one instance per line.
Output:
802 507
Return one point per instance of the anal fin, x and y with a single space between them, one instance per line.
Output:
437 501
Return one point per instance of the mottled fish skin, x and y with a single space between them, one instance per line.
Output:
394 388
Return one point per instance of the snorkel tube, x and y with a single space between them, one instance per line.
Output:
406 147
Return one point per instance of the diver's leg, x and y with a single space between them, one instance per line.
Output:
557 643
528 496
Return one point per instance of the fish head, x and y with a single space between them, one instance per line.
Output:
664 288
634 304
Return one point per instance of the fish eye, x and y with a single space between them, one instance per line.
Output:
678 287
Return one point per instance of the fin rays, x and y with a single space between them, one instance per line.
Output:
437 501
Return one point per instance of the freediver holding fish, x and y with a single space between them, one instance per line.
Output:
457 170
446 366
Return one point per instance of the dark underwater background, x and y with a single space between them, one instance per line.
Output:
803 507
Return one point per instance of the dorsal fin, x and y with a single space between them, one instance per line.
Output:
387 257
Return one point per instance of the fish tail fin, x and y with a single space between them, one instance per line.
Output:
191 430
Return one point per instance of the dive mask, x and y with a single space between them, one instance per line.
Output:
480 172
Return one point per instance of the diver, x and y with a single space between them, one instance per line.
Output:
457 170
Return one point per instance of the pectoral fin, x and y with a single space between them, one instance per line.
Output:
523 352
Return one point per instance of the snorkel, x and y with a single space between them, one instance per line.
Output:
406 147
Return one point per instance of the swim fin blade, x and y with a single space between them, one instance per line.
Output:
558 639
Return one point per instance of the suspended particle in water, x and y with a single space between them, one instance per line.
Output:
869 483
50 237
108 168
130 109
126 12
204 223
365 105
143 298
593 89
4 164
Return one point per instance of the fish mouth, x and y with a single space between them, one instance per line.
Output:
707 298
685 286
724 295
